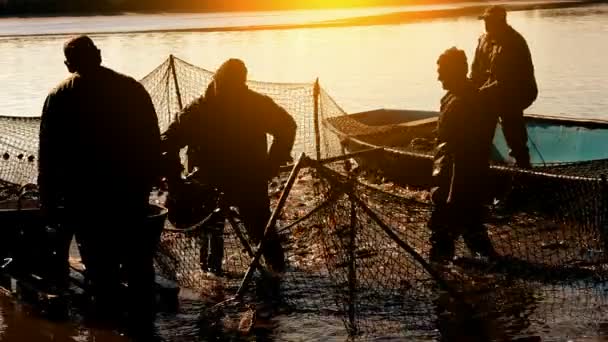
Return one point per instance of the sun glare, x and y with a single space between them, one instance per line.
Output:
335 3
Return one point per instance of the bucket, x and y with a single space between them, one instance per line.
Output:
26 239
153 226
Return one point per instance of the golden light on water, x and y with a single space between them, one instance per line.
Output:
294 4
335 3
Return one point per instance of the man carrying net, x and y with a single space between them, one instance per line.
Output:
464 142
225 132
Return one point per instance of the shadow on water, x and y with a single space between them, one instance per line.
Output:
18 322
501 309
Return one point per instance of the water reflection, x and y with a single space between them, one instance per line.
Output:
20 323
391 66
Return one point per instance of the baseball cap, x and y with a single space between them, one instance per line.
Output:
494 12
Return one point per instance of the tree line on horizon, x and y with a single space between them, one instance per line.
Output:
9 7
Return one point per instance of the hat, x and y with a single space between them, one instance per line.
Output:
494 12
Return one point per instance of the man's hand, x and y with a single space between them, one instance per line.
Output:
50 213
275 166
273 170
488 88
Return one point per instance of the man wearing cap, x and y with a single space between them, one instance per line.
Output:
464 141
98 158
504 73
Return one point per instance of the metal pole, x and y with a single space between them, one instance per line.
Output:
442 283
230 217
176 83
604 215
271 223
316 90
343 157
388 231
352 268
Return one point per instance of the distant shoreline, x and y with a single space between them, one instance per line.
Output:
380 19
41 13
113 11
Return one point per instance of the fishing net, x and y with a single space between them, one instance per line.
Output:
342 261
357 241
18 149
358 251
173 85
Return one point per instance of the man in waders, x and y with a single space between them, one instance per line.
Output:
503 72
225 132
99 156
464 142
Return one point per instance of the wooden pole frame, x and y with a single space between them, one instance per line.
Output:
316 91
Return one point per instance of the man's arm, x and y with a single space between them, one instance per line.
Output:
178 135
450 130
514 75
150 136
282 127
478 75
49 154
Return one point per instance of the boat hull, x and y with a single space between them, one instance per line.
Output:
552 140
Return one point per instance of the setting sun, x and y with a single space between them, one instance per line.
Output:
334 3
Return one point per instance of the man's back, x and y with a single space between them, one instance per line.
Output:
100 129
229 136
465 128
506 58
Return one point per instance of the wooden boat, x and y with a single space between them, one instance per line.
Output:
410 133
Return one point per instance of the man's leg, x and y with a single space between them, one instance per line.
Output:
138 251
470 193
254 208
96 241
60 239
214 241
516 135
477 240
442 238
442 235
475 234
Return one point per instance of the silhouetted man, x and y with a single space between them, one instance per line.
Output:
99 153
504 73
225 132
464 142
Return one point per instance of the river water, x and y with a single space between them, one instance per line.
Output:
363 67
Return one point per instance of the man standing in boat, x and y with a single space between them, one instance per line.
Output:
503 71
98 158
225 132
464 142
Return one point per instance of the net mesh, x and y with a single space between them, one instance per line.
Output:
344 239
357 243
172 85
18 146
